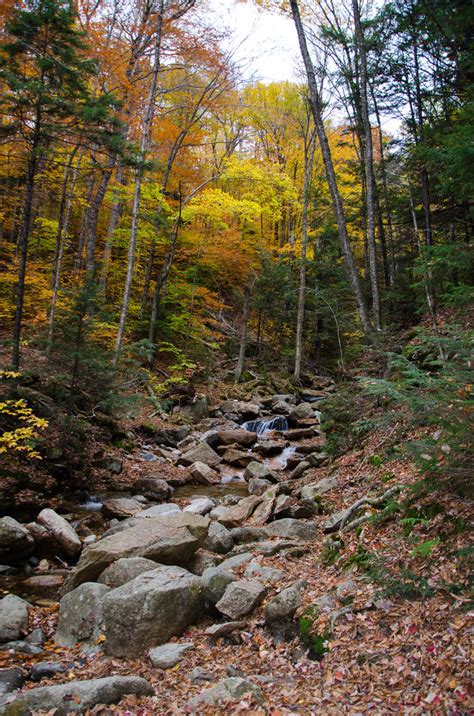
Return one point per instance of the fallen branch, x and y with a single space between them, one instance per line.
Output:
372 502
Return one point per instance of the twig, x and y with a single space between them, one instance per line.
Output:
372 501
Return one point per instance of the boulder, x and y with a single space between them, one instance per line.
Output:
200 506
242 510
75 697
233 689
151 609
244 535
201 560
13 618
121 507
10 680
170 437
298 434
202 452
168 655
302 411
218 539
46 669
266 574
63 533
284 605
258 486
263 511
239 437
241 598
269 447
197 410
81 615
235 457
283 503
224 629
281 407
154 488
245 411
236 561
222 514
22 647
16 543
316 459
288 528
214 583
203 474
257 470
124 570
300 469
286 398
311 492
45 543
169 540
335 520
163 510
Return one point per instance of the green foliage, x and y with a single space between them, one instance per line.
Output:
424 549
316 643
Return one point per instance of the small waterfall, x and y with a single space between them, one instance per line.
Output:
262 426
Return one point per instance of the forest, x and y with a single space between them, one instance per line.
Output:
235 359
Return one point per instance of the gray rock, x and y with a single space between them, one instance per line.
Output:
46 669
233 562
284 605
303 411
214 583
243 410
334 521
203 474
197 410
256 469
242 510
168 655
124 570
316 459
115 465
200 674
238 437
63 533
232 689
37 636
311 492
237 458
267 548
22 647
289 528
201 560
281 407
81 614
13 618
286 398
266 574
346 591
151 609
216 631
222 514
300 469
163 510
168 540
16 543
257 486
10 680
121 507
201 506
201 452
244 535
154 488
171 436
75 697
241 597
262 513
218 539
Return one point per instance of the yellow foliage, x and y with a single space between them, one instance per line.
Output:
20 439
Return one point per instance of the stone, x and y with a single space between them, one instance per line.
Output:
10 680
269 447
271 547
151 609
241 597
75 697
63 533
300 469
124 570
81 614
263 511
244 535
200 674
169 540
218 539
284 605
282 504
346 591
266 574
280 407
237 458
13 618
298 434
286 398
154 488
197 410
334 521
236 561
242 510
201 560
302 510
22 647
289 528
200 506
45 581
168 655
256 469
214 583
115 465
121 507
16 543
311 492
301 412
239 437
222 514
245 411
37 636
233 689
202 452
170 437
216 631
256 486
166 508
316 459
46 669
203 474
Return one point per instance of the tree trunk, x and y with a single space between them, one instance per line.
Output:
92 216
330 173
115 214
243 336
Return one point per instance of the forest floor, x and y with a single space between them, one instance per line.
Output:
403 645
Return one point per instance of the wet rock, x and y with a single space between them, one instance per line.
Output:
216 631
10 680
151 609
266 574
13 618
284 605
214 582
154 488
124 570
232 689
292 529
168 655
121 507
203 474
75 697
81 614
46 669
239 437
269 447
298 434
16 543
201 452
168 540
218 539
241 597
258 486
201 506
257 470
63 533
311 492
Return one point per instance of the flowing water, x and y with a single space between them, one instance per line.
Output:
264 426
